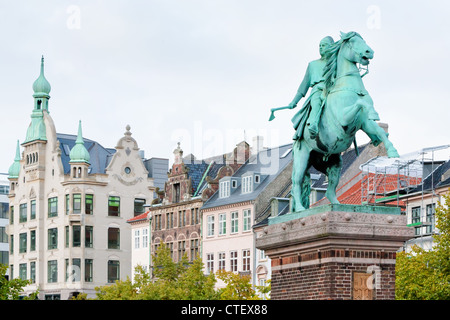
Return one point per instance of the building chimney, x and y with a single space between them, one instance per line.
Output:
257 145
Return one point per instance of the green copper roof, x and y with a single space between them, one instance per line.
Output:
41 86
79 153
14 169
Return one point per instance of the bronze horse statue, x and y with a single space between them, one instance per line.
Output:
347 107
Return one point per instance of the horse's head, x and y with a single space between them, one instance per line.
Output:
355 48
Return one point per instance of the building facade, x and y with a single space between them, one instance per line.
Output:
241 201
4 208
176 218
69 202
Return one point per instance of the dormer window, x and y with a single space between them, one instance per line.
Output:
247 184
224 189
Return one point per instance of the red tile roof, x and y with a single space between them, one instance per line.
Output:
142 216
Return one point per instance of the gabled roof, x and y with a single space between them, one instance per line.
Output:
268 163
99 156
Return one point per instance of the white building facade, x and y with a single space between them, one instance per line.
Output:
69 202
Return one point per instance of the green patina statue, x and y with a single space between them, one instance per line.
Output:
337 107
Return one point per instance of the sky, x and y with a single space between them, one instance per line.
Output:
207 72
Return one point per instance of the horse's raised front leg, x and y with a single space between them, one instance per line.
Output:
370 127
300 154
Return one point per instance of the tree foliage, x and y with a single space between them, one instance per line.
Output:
177 281
422 274
13 289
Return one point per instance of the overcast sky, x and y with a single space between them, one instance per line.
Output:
205 72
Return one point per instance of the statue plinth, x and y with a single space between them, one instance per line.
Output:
334 252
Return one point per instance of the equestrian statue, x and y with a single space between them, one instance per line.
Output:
336 108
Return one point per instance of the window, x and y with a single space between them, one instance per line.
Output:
32 209
4 210
233 260
136 239
76 270
113 238
221 260
52 207
67 236
181 218
144 238
157 222
113 271
176 193
415 218
210 225
23 212
3 235
89 236
88 269
210 263
181 249
11 215
247 220
138 206
262 255
67 203
33 240
430 209
77 203
246 260
11 244
234 222
23 271
114 206
169 220
33 271
52 271
224 189
247 184
76 236
194 249
89 204
22 242
222 224
52 238
195 218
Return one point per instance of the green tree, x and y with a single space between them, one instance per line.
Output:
13 289
422 274
238 287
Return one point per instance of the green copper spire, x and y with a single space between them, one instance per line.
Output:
14 169
79 153
41 86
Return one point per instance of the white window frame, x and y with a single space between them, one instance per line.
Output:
234 260
235 222
224 189
210 263
246 260
144 238
222 260
136 239
210 225
222 224
247 184
247 216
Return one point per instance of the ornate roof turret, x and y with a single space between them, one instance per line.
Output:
41 86
14 169
79 153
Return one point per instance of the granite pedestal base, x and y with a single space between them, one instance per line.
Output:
334 252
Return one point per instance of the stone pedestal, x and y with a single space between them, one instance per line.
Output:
340 252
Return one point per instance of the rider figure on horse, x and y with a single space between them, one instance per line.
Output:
313 79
